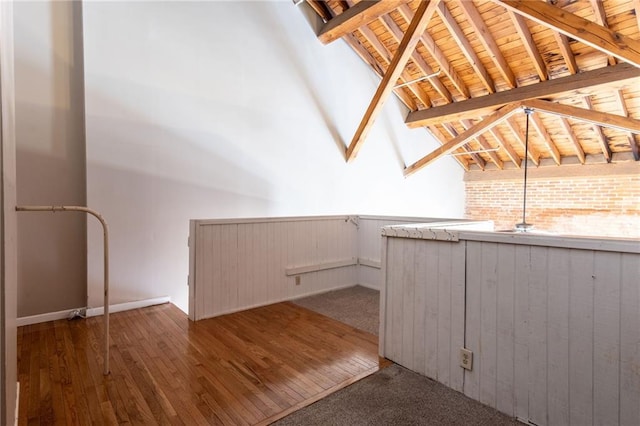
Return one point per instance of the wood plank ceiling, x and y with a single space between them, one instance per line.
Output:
467 70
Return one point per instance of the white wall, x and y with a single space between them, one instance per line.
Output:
52 263
231 109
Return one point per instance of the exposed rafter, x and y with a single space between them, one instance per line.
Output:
484 35
584 82
326 13
572 138
527 40
397 34
430 44
532 152
602 139
506 146
439 137
462 41
467 124
479 57
466 148
385 54
630 136
546 138
407 45
355 17
590 33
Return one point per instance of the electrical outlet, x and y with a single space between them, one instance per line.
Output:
466 359
297 279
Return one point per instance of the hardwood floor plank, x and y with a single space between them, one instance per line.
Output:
246 368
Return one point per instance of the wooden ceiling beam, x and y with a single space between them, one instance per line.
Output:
355 17
490 121
541 129
466 148
488 41
417 26
506 146
529 45
439 137
601 19
482 141
327 13
573 139
636 6
601 38
566 52
418 60
321 9
631 137
600 118
466 48
438 55
583 82
385 54
602 140
532 152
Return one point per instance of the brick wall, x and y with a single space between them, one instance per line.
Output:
576 205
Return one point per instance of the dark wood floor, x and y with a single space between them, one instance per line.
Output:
251 367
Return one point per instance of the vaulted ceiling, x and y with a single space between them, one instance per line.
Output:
469 71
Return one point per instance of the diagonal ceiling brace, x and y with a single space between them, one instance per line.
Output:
455 143
409 41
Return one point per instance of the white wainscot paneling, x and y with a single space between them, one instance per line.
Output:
555 333
237 264
242 264
423 307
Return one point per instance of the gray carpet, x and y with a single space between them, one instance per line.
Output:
396 396
357 306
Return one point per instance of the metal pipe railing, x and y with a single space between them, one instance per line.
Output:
106 262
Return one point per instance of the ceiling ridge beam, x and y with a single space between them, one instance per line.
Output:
479 128
411 37
485 105
601 38
355 17
604 119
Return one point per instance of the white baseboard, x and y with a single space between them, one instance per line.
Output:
91 312
127 306
50 316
